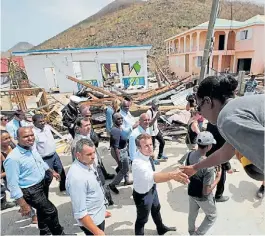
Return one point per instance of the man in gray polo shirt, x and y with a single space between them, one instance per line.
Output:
85 190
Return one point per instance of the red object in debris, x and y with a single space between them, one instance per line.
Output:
4 63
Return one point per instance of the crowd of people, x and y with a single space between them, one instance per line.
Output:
29 160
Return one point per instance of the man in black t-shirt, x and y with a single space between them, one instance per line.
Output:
226 167
119 152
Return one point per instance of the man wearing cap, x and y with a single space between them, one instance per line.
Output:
70 113
201 186
156 134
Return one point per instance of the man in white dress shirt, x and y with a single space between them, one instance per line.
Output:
144 186
128 120
46 147
143 128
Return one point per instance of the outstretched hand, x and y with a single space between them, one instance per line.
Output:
188 170
180 177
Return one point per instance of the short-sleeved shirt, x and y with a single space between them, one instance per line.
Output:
241 124
116 138
154 128
207 174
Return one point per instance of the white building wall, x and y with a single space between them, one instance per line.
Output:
63 66
62 62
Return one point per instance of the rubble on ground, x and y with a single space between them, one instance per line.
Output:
172 99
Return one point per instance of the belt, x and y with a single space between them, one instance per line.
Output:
34 186
48 157
143 194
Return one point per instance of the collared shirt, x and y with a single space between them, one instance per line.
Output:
143 174
13 125
24 168
109 120
86 194
76 139
154 128
44 140
128 123
132 145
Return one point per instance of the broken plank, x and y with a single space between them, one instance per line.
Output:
92 96
93 87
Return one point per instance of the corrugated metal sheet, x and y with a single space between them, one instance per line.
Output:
179 99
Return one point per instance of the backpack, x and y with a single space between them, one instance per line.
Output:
195 187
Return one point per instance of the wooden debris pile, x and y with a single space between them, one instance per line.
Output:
99 99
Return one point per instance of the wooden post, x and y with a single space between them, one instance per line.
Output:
158 79
241 80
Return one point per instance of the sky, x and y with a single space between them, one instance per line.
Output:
35 21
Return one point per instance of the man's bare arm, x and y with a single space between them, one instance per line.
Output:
178 176
89 224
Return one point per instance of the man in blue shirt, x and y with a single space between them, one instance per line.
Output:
113 108
18 121
25 171
85 189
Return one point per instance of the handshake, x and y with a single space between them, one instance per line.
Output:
179 176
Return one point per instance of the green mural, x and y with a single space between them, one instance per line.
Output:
137 67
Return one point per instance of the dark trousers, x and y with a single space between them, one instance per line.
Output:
106 188
220 188
3 194
103 169
146 203
48 221
54 162
161 141
87 232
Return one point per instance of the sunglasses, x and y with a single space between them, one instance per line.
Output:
5 119
199 106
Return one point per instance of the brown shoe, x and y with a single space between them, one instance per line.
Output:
34 220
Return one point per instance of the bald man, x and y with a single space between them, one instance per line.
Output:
143 128
128 120
119 152
25 172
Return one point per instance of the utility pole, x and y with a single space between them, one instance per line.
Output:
208 43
